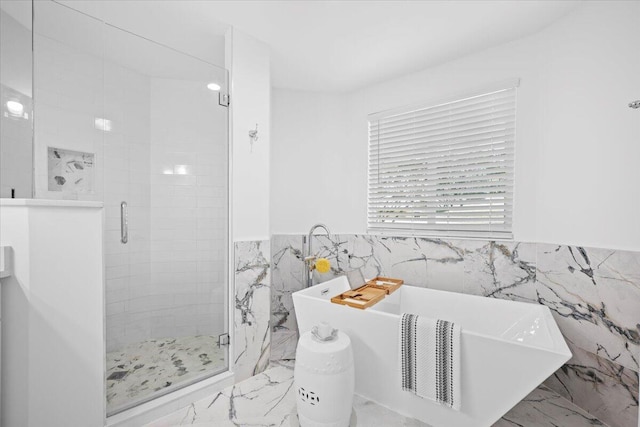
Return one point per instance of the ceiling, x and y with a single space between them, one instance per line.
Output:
334 46
345 45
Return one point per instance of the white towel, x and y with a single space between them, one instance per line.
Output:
430 354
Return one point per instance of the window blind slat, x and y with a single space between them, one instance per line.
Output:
461 104
418 202
417 226
498 115
418 171
389 198
493 141
465 165
433 159
464 129
444 168
443 214
454 143
444 140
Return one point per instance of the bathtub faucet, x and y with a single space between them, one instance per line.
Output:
309 260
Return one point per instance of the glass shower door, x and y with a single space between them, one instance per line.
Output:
166 204
140 127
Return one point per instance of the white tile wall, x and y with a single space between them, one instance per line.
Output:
15 148
126 176
169 279
68 84
189 213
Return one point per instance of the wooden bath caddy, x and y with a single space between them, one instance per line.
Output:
387 284
369 294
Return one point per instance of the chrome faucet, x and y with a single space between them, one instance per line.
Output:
310 258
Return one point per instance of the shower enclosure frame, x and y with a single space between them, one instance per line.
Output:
155 406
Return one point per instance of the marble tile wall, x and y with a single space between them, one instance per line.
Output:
251 309
286 278
594 295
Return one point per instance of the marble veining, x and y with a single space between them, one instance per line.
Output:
286 278
594 295
264 400
268 399
252 308
609 391
142 369
545 408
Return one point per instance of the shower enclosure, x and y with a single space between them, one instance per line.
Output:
143 128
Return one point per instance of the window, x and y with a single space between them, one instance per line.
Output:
444 169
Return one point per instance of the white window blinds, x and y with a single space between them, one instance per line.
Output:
444 169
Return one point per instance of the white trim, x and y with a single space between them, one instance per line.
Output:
231 279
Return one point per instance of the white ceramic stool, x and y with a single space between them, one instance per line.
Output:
324 378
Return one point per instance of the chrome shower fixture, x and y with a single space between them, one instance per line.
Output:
635 104
253 134
310 259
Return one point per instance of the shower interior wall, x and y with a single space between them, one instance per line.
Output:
166 157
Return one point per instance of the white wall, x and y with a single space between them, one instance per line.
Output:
576 138
248 62
53 315
588 171
315 170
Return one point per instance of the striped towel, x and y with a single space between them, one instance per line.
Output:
430 354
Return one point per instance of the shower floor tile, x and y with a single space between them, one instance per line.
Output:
139 370
267 399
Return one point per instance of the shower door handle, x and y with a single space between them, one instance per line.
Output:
124 223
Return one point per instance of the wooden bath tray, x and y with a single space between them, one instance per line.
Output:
369 294
387 284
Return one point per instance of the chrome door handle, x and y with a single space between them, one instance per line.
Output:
124 223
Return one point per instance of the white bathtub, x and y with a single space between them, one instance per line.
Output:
508 348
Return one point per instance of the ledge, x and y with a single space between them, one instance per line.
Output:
6 261
51 203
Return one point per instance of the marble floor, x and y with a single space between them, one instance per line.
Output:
267 399
140 370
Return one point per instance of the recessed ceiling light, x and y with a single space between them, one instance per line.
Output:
103 124
213 86
15 108
180 170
